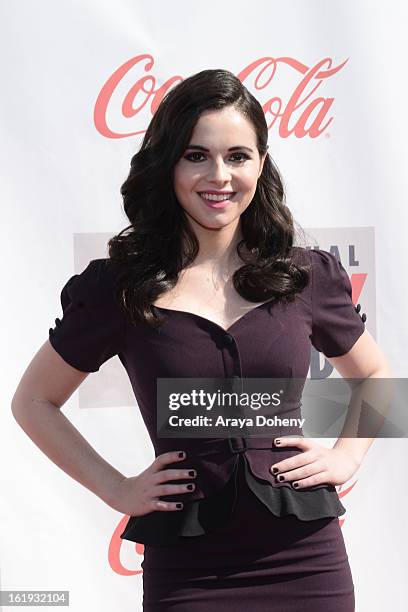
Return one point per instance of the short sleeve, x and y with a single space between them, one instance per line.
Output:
92 327
336 324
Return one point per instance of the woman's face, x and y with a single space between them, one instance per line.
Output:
208 166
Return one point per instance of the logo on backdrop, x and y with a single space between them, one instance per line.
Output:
133 89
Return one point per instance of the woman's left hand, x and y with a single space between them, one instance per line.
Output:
315 465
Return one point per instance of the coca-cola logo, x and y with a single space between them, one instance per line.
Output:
301 113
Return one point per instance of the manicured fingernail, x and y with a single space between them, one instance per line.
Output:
277 441
179 506
192 473
275 470
295 484
181 454
281 477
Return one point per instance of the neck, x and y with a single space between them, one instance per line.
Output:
218 248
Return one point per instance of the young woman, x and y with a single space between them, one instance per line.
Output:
206 282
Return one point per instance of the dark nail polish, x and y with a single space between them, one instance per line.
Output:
190 487
181 454
192 473
179 505
280 477
295 484
275 470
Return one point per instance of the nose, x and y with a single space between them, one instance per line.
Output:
219 172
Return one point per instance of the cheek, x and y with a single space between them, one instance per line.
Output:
183 190
248 180
185 173
180 178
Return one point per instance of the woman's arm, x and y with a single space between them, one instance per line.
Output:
317 464
364 361
45 386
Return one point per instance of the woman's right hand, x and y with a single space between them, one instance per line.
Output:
139 495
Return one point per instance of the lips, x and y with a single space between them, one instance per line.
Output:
215 203
217 192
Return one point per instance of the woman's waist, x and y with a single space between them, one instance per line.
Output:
203 447
214 461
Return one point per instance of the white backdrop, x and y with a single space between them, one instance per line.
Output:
66 146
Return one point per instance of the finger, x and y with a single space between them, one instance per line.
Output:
162 506
311 481
166 458
173 489
293 462
294 441
169 474
301 472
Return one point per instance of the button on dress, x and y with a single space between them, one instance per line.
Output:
242 537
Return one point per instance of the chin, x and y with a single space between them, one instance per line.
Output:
205 221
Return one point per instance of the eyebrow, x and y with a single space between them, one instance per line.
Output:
200 148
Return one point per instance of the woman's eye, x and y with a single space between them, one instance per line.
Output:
243 155
190 156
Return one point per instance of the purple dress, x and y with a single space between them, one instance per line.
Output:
242 538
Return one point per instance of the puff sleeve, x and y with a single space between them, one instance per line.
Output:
336 324
91 330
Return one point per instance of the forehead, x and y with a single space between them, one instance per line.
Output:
220 128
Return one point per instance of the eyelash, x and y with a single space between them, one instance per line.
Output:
188 156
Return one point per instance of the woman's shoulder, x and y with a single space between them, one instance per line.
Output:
102 270
325 267
313 256
94 285
92 328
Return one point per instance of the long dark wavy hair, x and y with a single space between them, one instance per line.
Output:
159 242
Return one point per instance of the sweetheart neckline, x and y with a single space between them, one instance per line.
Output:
225 330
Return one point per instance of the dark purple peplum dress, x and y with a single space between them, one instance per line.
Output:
243 538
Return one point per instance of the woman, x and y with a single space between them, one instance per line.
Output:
206 282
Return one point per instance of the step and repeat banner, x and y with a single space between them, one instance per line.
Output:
81 81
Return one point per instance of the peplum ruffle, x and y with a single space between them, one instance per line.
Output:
201 516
